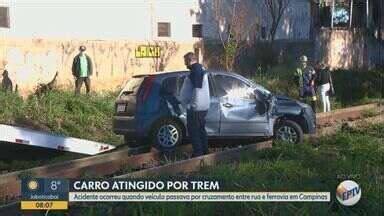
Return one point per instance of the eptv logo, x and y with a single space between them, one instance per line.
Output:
348 193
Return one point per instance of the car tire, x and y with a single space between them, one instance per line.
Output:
289 131
166 134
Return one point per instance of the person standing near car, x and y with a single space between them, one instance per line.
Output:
82 70
323 81
195 96
305 75
6 83
299 74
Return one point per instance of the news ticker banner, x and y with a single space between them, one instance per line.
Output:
55 194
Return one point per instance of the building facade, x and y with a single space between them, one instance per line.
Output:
41 37
294 24
349 33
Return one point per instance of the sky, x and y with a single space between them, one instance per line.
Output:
93 19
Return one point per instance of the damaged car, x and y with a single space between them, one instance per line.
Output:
148 111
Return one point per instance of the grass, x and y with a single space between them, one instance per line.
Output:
62 112
357 154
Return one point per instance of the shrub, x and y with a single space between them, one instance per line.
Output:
351 86
355 85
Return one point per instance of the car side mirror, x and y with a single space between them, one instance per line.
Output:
259 95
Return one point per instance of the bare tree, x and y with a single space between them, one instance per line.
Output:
236 20
276 9
168 50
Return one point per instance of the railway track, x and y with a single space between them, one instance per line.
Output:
195 164
151 163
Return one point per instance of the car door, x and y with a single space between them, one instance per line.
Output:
212 119
238 114
212 125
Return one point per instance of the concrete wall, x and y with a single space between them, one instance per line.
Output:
349 48
341 48
44 36
34 61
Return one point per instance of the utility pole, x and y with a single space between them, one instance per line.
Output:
151 11
367 22
381 19
333 12
351 14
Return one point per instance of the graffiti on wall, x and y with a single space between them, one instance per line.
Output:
148 51
109 59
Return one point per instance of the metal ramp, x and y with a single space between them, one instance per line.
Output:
24 136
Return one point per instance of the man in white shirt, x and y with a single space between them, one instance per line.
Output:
195 97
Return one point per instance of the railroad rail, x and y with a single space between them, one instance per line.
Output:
109 164
195 164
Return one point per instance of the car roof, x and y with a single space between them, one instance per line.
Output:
156 73
215 72
170 72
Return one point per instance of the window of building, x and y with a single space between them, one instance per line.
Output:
197 30
341 13
164 29
325 14
4 17
334 13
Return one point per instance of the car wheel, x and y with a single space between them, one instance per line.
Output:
166 134
289 131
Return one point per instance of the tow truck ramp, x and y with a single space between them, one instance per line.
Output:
24 136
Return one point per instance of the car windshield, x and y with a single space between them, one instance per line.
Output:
131 87
262 89
259 87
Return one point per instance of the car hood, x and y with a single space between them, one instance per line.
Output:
285 101
286 105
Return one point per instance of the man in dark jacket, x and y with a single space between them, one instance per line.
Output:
82 70
195 96
305 75
6 83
